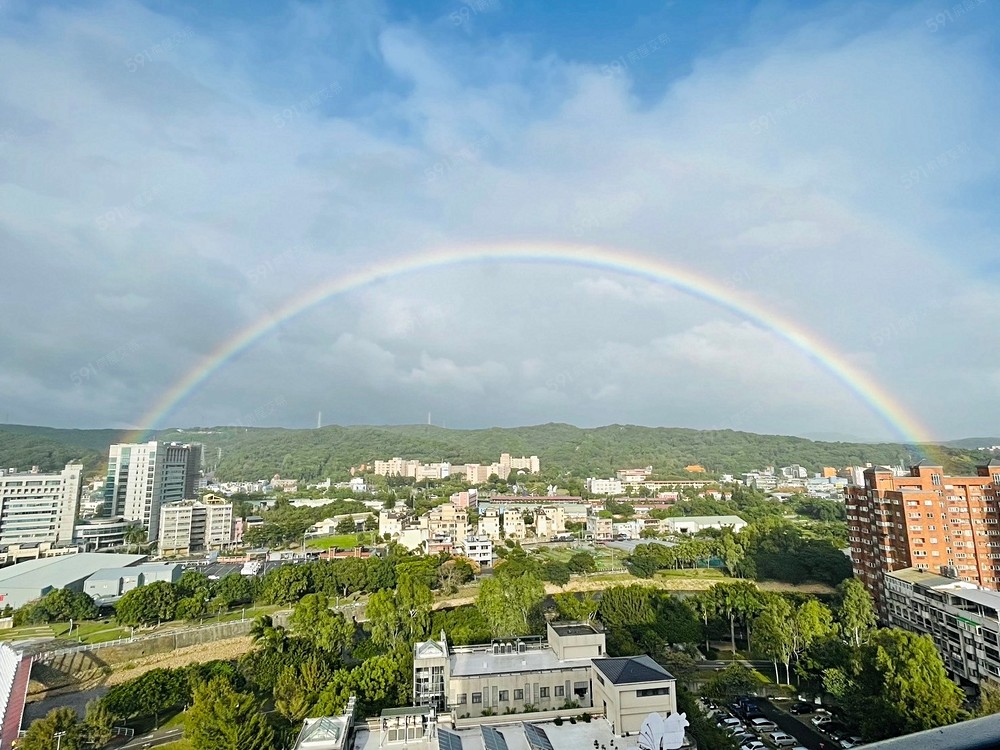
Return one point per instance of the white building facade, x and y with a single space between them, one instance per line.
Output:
37 507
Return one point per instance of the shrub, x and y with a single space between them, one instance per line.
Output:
585 716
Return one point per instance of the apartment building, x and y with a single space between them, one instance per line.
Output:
142 477
446 521
479 550
38 507
196 525
524 463
550 521
927 520
599 528
960 617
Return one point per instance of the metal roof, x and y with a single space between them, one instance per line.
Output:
624 670
61 571
492 739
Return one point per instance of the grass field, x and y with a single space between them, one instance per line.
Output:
344 541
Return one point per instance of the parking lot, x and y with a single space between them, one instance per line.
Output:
799 727
216 571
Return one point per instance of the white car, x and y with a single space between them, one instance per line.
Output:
851 742
753 745
731 723
763 725
781 739
821 720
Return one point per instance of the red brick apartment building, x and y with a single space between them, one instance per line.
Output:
927 520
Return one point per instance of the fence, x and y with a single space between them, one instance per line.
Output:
153 643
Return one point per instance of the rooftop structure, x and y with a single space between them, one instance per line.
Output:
27 581
327 732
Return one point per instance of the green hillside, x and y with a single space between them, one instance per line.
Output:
256 453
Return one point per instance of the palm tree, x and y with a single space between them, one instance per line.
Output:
134 534
260 626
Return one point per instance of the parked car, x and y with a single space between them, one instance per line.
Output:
781 739
731 723
851 742
753 745
744 737
821 720
801 707
763 725
837 731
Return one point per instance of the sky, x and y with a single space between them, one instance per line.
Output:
174 172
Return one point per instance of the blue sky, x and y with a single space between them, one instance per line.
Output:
172 171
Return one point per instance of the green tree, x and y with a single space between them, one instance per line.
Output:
41 734
313 619
507 603
902 685
856 613
733 681
191 608
989 698
98 723
556 572
811 622
291 698
774 630
220 718
582 562
149 694
576 607
400 616
152 603
65 604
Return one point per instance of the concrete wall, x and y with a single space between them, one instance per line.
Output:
531 683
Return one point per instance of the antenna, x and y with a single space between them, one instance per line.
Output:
319 419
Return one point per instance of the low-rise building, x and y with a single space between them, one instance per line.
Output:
109 584
101 533
604 486
447 520
600 528
694 524
550 521
27 581
627 689
479 550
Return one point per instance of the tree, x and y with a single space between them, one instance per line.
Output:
191 608
811 622
507 602
989 698
556 572
154 602
737 600
64 604
857 612
576 607
220 718
347 526
292 699
234 589
149 694
41 735
193 582
286 584
774 627
582 562
313 619
135 535
732 681
98 723
400 616
902 685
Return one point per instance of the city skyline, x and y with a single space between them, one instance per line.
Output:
192 174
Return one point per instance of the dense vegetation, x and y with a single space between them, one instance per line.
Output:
331 451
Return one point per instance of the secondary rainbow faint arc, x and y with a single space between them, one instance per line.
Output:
585 256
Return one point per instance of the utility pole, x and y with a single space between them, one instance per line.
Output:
58 736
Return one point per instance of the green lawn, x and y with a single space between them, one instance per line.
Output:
692 573
90 632
344 541
26 631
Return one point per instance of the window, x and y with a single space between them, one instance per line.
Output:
600 679
519 695
936 479
504 695
652 691
560 691
543 692
463 698
477 697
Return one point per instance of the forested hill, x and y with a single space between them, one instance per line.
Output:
257 453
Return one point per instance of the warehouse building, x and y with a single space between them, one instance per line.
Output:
27 581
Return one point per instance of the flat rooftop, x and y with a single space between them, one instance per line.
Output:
486 662
576 629
60 571
579 736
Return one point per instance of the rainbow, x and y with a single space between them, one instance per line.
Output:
584 256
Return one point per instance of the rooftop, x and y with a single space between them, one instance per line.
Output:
707 519
625 670
577 736
486 662
58 572
577 628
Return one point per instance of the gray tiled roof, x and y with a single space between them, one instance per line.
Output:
624 670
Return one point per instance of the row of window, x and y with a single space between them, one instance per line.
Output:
504 695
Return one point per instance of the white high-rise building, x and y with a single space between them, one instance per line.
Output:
37 507
142 477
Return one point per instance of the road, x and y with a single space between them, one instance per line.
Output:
800 729
154 738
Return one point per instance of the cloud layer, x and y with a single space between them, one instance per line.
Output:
167 180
